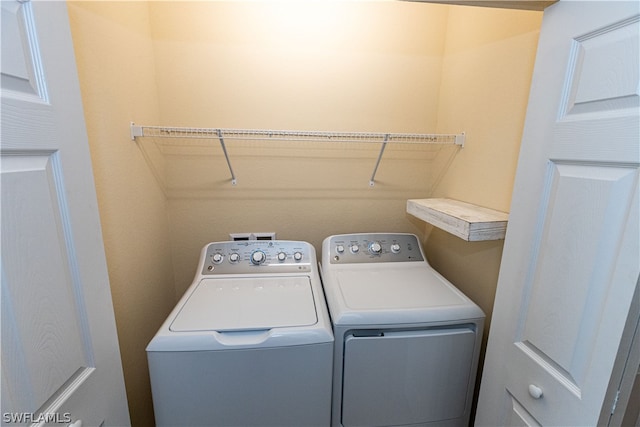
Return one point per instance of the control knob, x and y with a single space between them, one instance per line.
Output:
282 256
375 248
395 248
234 257
217 258
354 249
297 256
258 257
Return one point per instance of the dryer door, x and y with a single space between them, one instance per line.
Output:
407 377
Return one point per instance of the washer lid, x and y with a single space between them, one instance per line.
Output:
241 304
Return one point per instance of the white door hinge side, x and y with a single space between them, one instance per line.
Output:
615 402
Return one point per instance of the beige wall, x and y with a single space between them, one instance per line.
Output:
356 66
299 65
487 68
346 66
116 69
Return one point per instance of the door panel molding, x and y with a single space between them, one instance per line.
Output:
23 72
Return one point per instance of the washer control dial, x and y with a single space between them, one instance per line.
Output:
395 248
340 249
354 249
258 257
282 256
217 258
375 248
297 256
234 257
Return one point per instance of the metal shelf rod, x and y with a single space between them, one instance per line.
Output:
234 181
375 168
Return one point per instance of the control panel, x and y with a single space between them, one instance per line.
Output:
374 247
253 256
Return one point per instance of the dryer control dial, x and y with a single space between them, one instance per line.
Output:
258 257
375 248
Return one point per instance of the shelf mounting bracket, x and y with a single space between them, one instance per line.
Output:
375 168
234 181
135 131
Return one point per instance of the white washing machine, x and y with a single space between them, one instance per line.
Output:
406 340
249 343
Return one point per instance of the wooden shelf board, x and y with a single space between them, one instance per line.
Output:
465 220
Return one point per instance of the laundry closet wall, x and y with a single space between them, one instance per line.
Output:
344 66
316 65
114 55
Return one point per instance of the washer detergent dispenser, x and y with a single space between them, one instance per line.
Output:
249 343
406 340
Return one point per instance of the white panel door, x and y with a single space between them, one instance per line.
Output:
60 356
571 261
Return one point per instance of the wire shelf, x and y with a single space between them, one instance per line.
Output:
294 135
222 134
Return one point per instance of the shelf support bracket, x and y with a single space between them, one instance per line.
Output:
375 168
135 131
226 156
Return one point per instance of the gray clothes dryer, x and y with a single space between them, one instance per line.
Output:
406 340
